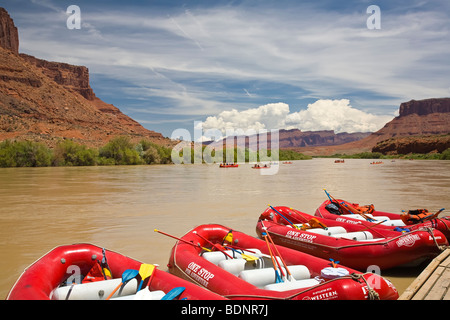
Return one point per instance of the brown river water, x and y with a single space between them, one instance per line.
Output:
119 207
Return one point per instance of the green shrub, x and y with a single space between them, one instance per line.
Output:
445 155
24 154
122 151
69 153
154 154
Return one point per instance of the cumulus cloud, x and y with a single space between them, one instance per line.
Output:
337 115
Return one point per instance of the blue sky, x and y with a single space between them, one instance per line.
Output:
311 65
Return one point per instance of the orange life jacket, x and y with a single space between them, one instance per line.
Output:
415 216
364 209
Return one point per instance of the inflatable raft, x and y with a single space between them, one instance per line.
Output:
358 246
227 165
341 210
88 272
239 267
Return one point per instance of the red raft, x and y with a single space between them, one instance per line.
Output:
228 165
339 210
358 246
248 268
77 272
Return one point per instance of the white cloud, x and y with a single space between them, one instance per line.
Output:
193 58
337 115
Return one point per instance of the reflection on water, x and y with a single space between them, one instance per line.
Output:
119 207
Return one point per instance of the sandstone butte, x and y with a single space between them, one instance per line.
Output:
46 101
421 121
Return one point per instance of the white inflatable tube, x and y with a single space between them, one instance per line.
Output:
144 294
262 277
234 266
98 290
291 285
217 256
394 223
361 235
327 232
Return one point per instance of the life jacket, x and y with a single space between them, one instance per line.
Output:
313 223
415 216
364 209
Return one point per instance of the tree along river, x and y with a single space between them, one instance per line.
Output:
118 207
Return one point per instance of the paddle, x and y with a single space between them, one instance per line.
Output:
127 275
246 257
182 240
287 220
277 275
212 244
347 208
333 263
435 215
172 294
145 271
143 294
354 211
298 212
291 278
375 225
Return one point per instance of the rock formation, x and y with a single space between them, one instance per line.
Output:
9 37
416 118
413 144
49 101
73 78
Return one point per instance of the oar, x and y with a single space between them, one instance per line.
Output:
127 275
291 278
369 227
213 245
172 294
329 196
375 225
332 199
287 220
354 211
244 256
145 271
277 275
182 240
333 263
298 212
141 294
347 208
435 215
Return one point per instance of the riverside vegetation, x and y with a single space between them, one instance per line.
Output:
445 155
118 151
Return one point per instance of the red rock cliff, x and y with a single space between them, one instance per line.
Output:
49 101
9 37
424 107
74 78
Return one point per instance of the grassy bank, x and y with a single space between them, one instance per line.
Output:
119 151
